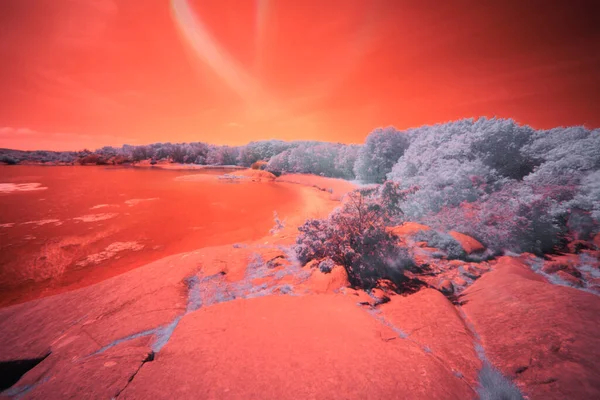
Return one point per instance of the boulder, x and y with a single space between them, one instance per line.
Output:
333 281
380 296
358 296
575 246
456 263
469 244
408 228
552 267
569 278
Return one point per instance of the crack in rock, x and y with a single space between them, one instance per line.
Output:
376 313
492 383
208 290
149 358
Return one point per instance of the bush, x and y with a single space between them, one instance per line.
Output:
517 218
355 237
326 265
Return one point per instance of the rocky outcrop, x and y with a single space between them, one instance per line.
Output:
328 282
243 318
316 346
543 336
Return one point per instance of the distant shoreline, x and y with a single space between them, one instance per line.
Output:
168 166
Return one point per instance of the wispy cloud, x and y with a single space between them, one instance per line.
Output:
28 139
8 131
65 89
234 125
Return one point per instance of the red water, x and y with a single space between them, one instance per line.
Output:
41 259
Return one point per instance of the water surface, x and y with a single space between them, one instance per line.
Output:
67 227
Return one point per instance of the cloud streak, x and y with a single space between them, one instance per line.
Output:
28 139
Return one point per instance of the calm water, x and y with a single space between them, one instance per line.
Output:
91 223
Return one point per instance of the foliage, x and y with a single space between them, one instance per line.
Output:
326 265
263 150
517 218
509 186
382 149
355 237
325 159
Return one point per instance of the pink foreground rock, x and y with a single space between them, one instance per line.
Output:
429 319
316 346
543 336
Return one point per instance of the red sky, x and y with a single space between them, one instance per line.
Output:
87 73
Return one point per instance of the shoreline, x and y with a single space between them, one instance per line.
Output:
313 203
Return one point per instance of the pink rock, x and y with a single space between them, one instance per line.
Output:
432 321
330 282
469 244
460 281
569 278
408 228
283 347
542 335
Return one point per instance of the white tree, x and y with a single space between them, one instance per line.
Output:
382 149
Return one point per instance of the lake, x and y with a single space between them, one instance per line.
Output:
66 227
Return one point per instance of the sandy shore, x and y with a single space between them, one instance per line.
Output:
183 167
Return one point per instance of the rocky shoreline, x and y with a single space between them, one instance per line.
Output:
246 320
